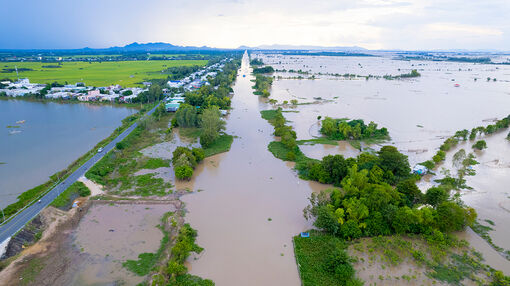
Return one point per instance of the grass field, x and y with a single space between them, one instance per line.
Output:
125 73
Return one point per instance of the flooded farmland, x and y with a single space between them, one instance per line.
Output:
251 204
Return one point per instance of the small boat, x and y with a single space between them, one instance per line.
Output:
457 85
21 121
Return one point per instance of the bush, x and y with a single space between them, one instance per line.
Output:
183 172
480 145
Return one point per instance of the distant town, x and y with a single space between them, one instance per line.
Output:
173 90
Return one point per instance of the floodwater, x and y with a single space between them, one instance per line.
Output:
251 204
52 136
420 113
111 234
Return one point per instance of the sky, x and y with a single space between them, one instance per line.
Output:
372 24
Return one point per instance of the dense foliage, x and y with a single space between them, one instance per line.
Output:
185 160
266 69
342 129
187 116
212 124
262 85
256 62
369 205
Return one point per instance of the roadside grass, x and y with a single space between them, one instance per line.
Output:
65 199
116 170
31 271
222 144
125 73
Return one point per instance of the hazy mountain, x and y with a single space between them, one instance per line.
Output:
304 47
148 47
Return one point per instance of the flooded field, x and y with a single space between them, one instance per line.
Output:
111 234
251 202
418 112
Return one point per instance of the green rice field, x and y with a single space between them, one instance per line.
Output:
125 73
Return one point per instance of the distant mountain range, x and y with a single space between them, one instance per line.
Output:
304 48
136 47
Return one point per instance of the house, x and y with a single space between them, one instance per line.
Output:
175 83
147 83
420 169
172 106
94 92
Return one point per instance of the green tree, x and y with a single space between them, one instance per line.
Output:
480 145
435 196
411 193
392 160
212 124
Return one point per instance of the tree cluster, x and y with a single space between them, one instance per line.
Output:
368 206
286 134
256 62
266 69
388 166
262 85
343 129
185 160
212 125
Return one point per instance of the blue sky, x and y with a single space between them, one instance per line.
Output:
373 24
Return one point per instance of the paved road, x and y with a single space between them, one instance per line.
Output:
10 228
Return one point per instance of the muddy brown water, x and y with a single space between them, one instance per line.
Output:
111 234
247 186
251 203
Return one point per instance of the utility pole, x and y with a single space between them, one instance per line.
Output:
16 67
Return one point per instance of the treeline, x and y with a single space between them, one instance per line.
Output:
262 85
256 62
413 73
217 93
342 129
261 70
464 135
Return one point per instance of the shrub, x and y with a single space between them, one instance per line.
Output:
183 172
480 145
